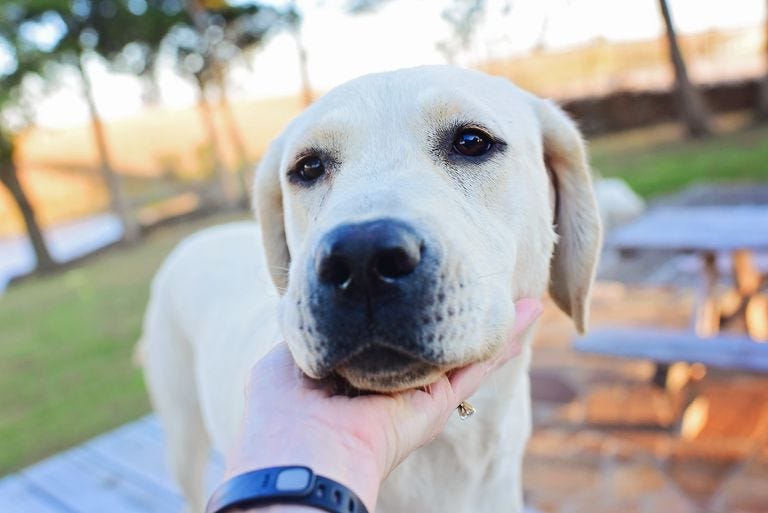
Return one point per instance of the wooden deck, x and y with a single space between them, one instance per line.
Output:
123 471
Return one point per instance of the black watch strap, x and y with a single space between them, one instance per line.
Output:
284 485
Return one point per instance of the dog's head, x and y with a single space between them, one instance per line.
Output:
403 213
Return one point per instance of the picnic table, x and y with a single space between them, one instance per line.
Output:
713 233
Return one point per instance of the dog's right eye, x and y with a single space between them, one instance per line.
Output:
309 169
472 142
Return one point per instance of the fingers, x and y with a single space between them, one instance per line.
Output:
446 393
467 380
527 310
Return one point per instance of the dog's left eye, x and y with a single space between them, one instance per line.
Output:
472 142
309 168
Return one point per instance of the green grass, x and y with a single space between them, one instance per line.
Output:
658 161
66 344
66 340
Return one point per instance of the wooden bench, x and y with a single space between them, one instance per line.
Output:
666 347
711 232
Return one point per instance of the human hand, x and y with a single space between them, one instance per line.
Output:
357 441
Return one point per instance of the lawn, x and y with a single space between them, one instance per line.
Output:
658 161
66 343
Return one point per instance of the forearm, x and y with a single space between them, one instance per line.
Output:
365 488
368 499
349 464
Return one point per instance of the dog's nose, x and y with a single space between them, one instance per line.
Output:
369 257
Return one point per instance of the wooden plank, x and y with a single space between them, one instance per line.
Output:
88 479
17 495
137 449
125 451
721 228
756 317
706 319
745 273
724 351
151 428
77 480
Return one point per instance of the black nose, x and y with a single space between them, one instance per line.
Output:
368 257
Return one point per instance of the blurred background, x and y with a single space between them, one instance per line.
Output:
126 125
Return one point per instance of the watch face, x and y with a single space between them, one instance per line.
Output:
293 479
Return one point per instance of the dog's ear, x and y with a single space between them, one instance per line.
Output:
268 206
577 221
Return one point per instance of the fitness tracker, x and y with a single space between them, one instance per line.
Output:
284 485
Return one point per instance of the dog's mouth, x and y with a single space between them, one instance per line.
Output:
383 369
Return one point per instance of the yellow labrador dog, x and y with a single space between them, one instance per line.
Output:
400 217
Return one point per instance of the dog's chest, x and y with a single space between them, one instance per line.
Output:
474 466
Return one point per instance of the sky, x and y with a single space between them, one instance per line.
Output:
402 33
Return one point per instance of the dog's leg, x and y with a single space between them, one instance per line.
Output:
169 372
188 448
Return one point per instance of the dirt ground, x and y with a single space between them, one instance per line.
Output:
607 440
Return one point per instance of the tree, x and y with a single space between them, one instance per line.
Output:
693 111
90 28
762 106
295 19
364 6
25 61
463 16
214 36
10 179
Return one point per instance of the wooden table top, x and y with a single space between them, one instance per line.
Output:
695 229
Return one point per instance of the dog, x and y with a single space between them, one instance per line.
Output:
399 218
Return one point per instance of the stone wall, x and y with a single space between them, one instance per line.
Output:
623 110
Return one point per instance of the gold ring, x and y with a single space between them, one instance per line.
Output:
465 410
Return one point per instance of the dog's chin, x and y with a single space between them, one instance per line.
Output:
382 370
391 383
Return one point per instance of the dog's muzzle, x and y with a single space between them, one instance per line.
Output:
373 281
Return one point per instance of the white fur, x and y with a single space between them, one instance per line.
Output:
214 310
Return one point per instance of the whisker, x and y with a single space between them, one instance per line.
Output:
490 275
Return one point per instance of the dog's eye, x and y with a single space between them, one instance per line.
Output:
472 142
309 168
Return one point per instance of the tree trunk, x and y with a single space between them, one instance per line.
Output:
230 122
243 161
227 190
118 199
762 106
151 94
9 177
197 11
306 89
691 104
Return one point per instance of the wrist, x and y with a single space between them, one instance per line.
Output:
329 455
284 508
